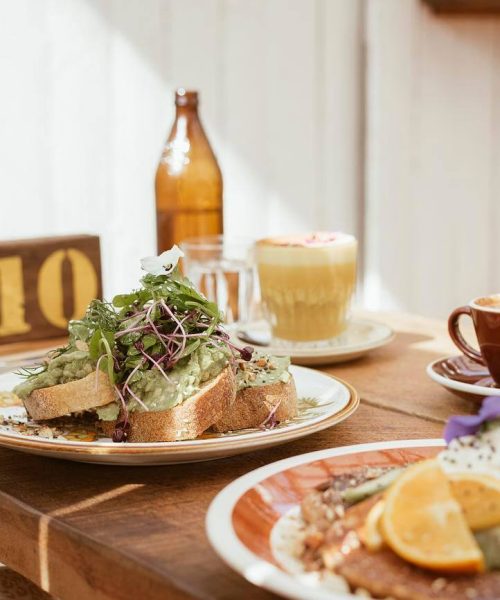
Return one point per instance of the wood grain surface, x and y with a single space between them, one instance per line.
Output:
85 531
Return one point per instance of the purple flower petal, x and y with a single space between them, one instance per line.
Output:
469 425
490 408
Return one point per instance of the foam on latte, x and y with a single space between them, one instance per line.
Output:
321 247
307 283
488 302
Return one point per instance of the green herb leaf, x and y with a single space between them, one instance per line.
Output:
122 300
191 348
149 341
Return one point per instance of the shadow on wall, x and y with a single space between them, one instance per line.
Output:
261 72
434 156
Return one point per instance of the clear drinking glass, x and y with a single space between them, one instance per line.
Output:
223 270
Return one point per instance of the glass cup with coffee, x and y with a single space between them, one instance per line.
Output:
485 314
307 283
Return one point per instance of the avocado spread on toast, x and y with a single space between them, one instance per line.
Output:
69 366
184 380
263 369
158 345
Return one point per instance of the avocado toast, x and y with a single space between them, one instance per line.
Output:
152 365
156 365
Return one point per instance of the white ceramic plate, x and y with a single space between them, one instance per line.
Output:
248 520
323 402
360 337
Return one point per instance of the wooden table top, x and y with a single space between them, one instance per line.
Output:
88 531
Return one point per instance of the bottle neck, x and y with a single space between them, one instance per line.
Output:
188 112
187 124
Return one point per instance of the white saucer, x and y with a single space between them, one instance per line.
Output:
360 337
470 390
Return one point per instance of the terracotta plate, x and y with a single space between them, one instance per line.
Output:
250 522
360 337
464 377
323 401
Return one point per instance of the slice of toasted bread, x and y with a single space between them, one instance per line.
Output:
187 420
254 405
65 398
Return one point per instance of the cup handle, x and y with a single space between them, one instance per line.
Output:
458 338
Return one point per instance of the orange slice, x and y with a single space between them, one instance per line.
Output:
479 497
424 524
370 533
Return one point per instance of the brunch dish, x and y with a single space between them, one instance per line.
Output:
464 377
153 376
409 520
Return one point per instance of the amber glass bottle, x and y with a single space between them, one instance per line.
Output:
188 179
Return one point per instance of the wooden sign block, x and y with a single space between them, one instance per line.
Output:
45 282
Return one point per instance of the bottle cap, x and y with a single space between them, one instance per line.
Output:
186 97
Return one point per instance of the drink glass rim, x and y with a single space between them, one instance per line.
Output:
300 240
475 303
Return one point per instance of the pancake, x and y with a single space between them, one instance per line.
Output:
383 574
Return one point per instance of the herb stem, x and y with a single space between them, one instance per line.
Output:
157 365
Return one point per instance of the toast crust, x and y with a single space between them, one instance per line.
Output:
253 405
60 400
187 420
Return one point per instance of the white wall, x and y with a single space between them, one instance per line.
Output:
86 104
88 100
433 157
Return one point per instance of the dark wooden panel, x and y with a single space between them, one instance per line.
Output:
44 282
465 6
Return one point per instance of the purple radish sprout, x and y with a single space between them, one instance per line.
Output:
128 389
157 365
270 421
132 330
122 401
97 366
179 324
150 321
121 430
132 373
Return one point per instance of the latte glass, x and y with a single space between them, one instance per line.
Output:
307 283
